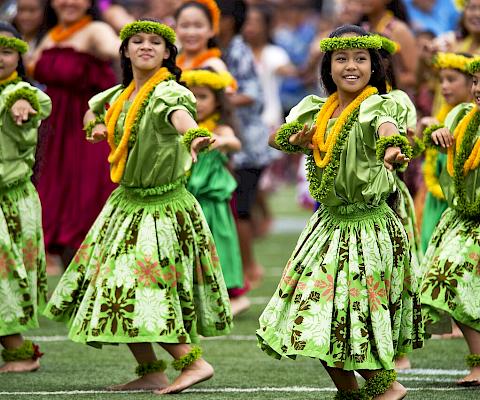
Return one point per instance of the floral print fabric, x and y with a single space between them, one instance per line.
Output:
23 282
147 271
348 295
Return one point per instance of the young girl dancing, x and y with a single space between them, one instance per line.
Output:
148 270
211 182
23 282
348 295
452 282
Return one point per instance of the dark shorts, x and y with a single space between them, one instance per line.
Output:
246 192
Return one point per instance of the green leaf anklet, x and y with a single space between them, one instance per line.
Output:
188 359
358 394
27 351
380 383
149 367
473 360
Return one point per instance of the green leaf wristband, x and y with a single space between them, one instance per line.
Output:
23 94
194 133
393 141
283 135
99 119
427 135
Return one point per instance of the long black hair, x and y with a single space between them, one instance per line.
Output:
51 18
212 42
169 63
7 27
377 78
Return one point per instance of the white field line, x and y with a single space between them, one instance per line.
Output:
285 389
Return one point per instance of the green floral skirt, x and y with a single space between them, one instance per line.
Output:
452 262
347 295
23 282
147 271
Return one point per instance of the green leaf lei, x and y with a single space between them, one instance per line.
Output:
473 360
25 352
23 94
474 66
351 42
12 82
319 189
358 394
393 141
194 133
99 119
148 27
470 210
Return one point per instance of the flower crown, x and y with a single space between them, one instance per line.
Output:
148 27
451 60
14 43
212 79
389 46
474 65
213 9
351 42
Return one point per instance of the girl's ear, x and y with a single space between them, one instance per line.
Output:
166 54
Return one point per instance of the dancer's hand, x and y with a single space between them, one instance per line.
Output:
21 111
394 155
304 137
198 144
442 137
99 133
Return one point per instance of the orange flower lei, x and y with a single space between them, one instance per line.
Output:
326 112
59 33
430 164
118 154
200 59
473 160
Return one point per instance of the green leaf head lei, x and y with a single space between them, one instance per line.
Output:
474 66
351 42
148 27
13 43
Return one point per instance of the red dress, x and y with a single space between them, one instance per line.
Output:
73 181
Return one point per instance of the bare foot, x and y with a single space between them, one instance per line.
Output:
396 392
254 275
239 304
402 363
151 381
20 366
198 372
472 379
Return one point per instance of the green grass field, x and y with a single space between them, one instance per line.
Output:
74 371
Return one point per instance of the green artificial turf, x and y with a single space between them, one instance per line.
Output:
238 362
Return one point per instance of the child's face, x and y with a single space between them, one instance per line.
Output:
193 29
476 88
471 16
206 101
147 51
29 16
70 11
8 59
351 69
456 87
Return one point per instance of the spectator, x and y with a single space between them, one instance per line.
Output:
437 16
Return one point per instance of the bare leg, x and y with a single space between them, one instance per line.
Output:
343 380
16 341
196 372
402 362
473 340
253 271
396 391
143 353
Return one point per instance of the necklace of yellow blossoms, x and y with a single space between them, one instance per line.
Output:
326 112
431 156
473 160
210 122
118 154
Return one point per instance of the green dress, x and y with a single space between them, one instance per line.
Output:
347 295
404 206
23 282
212 185
148 270
452 282
434 207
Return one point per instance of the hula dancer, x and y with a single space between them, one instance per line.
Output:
23 282
452 260
211 182
348 295
148 270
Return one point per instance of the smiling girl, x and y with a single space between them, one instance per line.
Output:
348 296
452 282
148 270
23 283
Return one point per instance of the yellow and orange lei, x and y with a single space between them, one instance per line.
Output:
473 160
199 60
326 112
430 164
118 154
59 33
